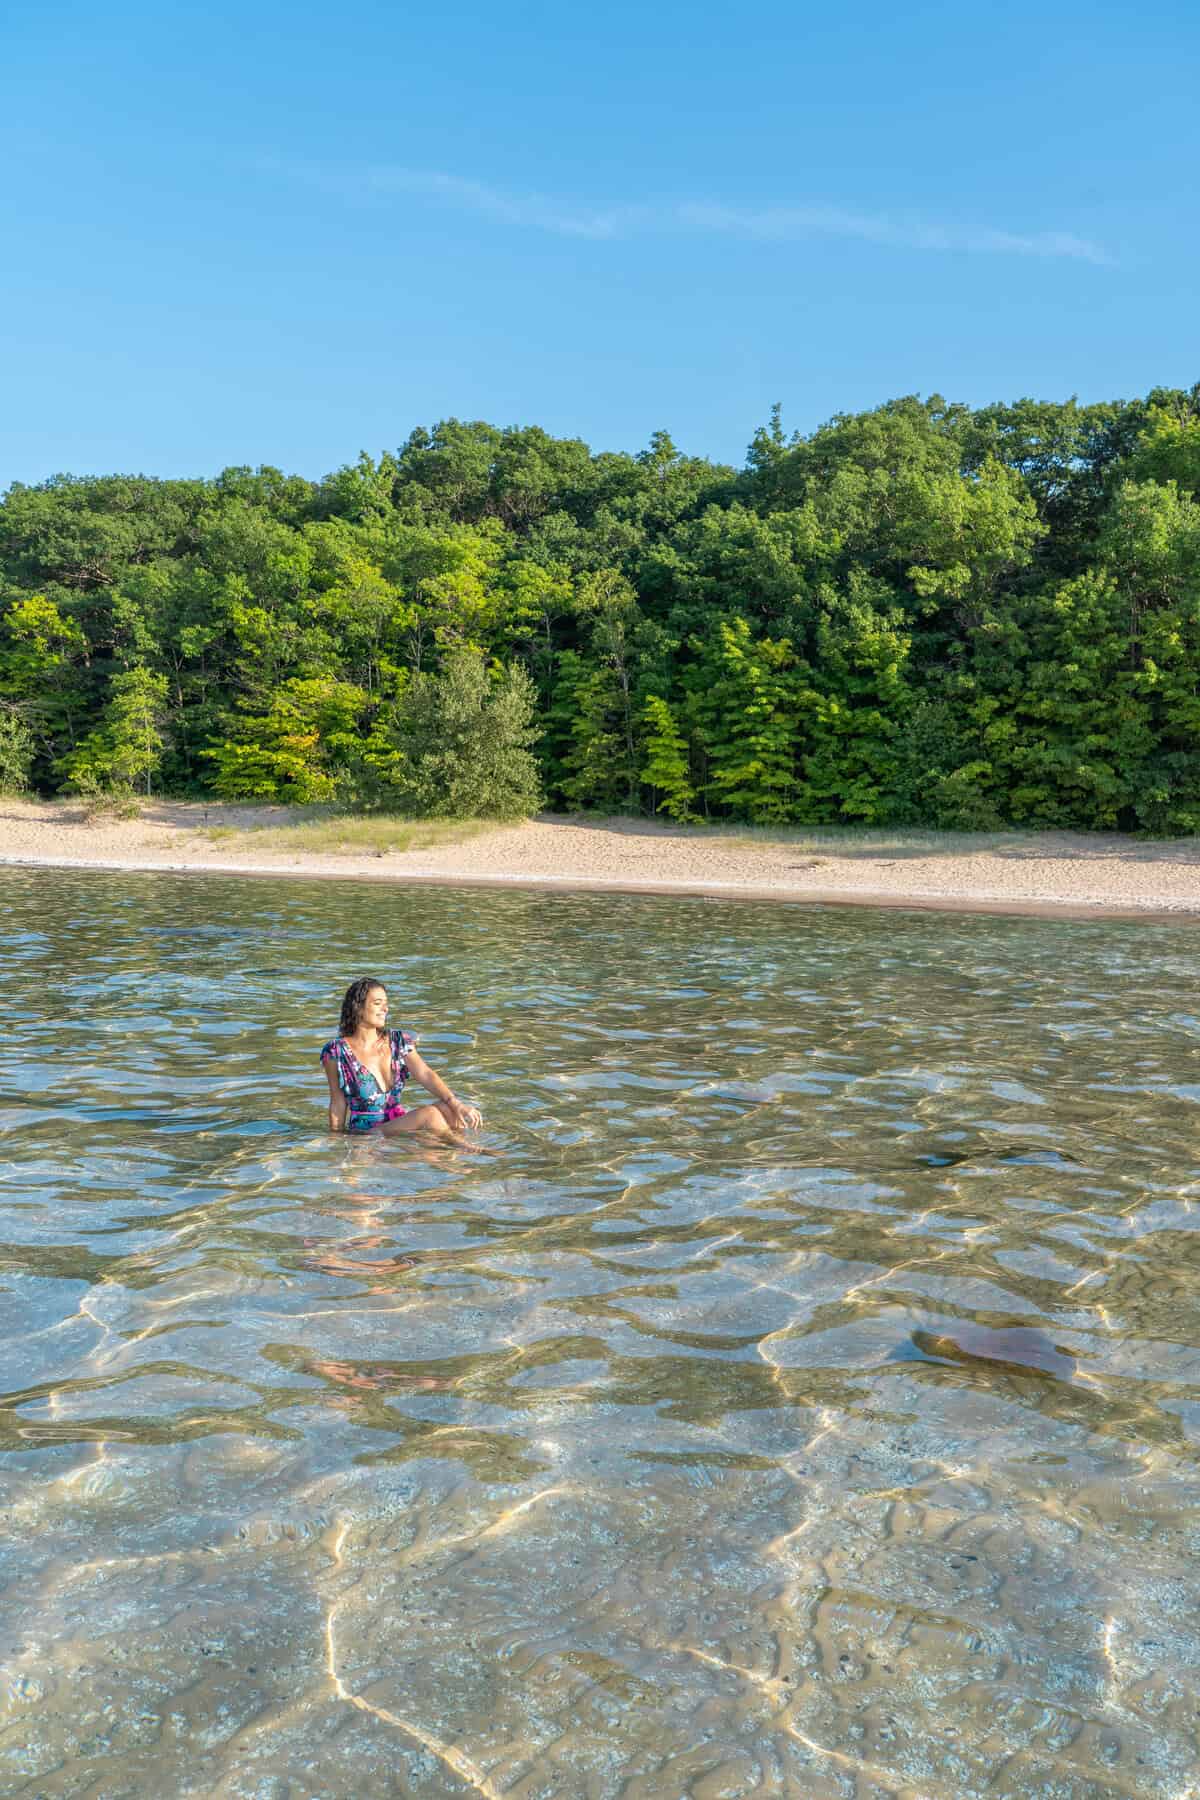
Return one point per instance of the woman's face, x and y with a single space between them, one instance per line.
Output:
375 1009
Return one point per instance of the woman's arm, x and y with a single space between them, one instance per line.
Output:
337 1100
462 1117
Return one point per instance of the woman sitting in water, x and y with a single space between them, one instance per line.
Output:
367 1065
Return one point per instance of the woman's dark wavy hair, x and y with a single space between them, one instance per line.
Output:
353 1003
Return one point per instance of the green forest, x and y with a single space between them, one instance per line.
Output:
926 614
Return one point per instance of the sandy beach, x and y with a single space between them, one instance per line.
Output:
1073 873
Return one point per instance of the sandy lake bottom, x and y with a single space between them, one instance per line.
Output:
802 1399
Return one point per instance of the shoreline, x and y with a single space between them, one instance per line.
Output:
679 890
1038 875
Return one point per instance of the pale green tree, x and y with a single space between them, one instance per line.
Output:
666 766
468 736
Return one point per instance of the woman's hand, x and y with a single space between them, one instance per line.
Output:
461 1116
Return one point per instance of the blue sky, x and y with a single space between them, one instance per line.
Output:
283 233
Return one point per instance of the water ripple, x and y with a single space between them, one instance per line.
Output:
803 1399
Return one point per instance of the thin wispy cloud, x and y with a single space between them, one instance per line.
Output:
532 211
779 224
790 223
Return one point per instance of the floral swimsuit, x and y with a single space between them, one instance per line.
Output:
370 1104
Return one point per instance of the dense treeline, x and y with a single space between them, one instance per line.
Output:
921 614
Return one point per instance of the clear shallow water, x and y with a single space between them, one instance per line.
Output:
659 1454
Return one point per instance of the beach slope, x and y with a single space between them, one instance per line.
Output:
1073 873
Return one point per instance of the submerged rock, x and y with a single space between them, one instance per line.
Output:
1015 1347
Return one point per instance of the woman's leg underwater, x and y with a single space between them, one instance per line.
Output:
433 1119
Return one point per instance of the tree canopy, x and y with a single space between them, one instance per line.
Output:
922 613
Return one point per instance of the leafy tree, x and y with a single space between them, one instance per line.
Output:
732 559
126 749
594 768
919 612
362 617
598 694
745 701
1061 720
450 578
447 471
137 718
666 768
469 735
302 748
860 700
82 536
537 600
1169 447
360 492
853 469
942 776
1152 546
43 671
16 752
962 536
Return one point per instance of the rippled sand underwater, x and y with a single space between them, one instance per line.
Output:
801 1401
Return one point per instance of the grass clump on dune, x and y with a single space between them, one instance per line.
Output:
849 840
363 834
830 840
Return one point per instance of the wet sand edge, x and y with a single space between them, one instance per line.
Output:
884 900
